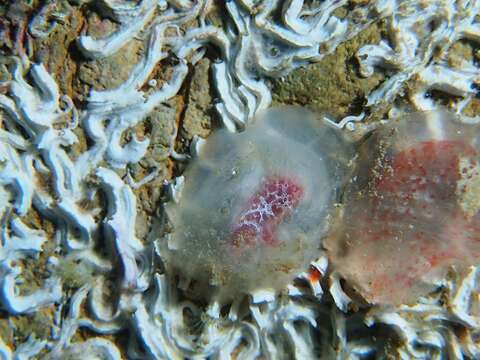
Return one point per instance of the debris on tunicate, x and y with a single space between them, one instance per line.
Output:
412 210
255 205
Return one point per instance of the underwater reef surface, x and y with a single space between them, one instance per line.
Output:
103 106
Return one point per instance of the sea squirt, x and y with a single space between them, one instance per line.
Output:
255 204
412 210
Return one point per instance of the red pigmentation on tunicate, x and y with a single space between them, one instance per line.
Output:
314 275
277 197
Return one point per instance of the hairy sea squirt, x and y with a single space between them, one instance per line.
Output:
256 204
412 211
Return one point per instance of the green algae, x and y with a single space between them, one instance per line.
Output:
38 324
468 190
198 113
6 331
462 49
35 269
74 274
334 84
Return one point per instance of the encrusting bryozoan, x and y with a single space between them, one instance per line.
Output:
412 211
255 205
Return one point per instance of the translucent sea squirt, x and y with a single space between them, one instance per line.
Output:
412 211
256 204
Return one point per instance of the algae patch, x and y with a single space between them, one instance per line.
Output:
197 118
38 324
334 84
74 273
469 187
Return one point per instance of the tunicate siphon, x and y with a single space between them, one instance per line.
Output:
256 204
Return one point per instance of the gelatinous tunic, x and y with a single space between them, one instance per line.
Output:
255 204
413 209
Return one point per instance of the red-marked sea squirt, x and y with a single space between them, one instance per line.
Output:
255 205
412 211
